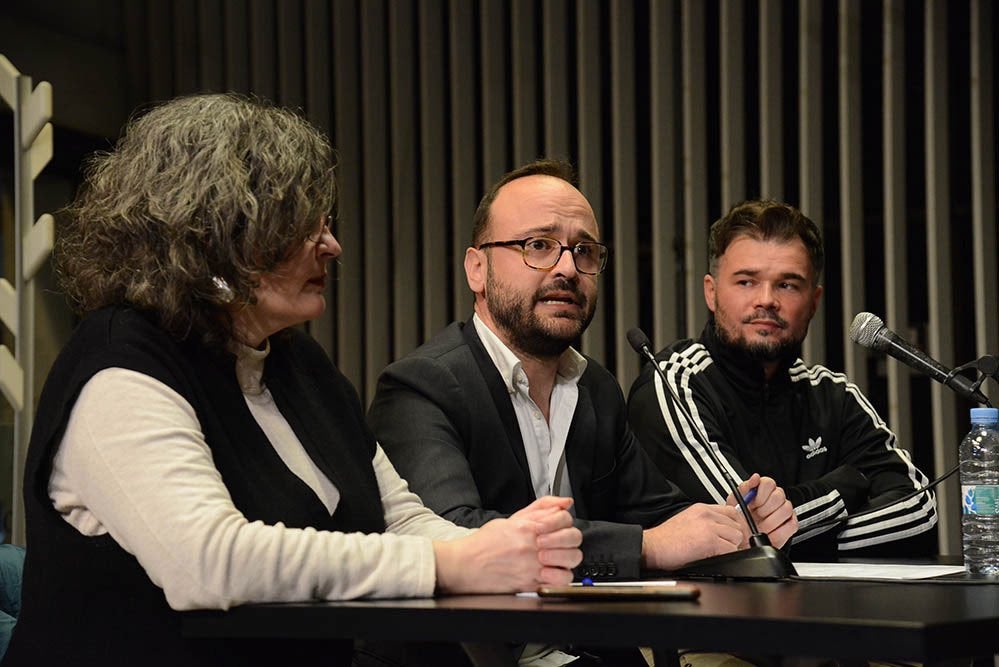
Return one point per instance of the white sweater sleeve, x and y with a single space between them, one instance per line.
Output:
405 513
133 462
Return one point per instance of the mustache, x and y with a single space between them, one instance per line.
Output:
765 314
561 285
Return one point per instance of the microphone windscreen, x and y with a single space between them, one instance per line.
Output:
638 340
865 329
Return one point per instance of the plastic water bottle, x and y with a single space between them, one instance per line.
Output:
980 492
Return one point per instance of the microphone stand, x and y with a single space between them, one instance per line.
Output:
761 561
987 366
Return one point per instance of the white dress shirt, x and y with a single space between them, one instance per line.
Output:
544 441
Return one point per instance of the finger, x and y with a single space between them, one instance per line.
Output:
764 490
777 518
751 483
784 532
563 538
554 576
564 558
557 502
774 503
553 521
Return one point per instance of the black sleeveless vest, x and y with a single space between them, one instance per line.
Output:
85 600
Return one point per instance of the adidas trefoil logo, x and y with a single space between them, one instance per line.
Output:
814 447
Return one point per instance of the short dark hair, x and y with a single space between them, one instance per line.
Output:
541 167
765 220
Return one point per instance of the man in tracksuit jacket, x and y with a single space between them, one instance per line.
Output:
764 410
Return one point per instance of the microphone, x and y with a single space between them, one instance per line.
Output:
869 331
761 560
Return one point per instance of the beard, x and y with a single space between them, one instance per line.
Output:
766 349
544 338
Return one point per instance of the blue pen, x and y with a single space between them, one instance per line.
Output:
748 498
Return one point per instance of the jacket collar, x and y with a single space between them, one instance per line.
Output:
739 367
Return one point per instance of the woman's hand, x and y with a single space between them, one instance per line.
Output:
534 547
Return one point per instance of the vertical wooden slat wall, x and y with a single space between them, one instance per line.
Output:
623 167
939 269
851 205
592 158
672 111
695 162
896 233
810 149
983 178
664 135
771 86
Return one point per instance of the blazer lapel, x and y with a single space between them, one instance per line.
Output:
500 397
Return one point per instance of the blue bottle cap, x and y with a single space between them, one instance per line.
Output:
984 415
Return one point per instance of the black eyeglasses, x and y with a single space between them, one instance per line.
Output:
543 253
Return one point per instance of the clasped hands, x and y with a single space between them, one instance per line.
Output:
537 546
704 530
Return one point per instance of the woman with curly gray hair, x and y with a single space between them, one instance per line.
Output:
194 450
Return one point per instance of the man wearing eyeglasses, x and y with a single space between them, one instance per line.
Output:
498 410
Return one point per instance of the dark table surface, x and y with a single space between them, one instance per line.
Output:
917 621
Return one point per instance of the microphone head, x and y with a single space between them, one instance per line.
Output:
866 331
638 340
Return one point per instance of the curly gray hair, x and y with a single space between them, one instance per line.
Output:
198 189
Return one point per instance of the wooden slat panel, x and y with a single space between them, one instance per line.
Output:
135 22
624 173
237 50
290 60
159 29
695 165
851 184
465 193
556 75
524 56
185 47
893 122
347 139
983 179
589 64
405 227
318 80
263 58
666 165
438 262
733 102
494 54
939 270
771 100
810 157
211 58
377 191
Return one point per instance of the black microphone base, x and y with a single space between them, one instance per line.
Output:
761 563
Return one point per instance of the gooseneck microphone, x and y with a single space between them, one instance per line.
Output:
761 560
869 331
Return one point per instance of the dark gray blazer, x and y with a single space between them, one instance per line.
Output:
445 419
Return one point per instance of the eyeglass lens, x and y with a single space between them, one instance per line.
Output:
543 253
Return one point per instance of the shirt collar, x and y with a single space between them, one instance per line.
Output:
250 366
571 364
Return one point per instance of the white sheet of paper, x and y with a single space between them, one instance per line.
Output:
873 570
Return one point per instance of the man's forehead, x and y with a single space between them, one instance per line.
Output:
541 201
748 254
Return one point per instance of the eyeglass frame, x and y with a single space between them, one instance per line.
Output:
561 249
327 226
